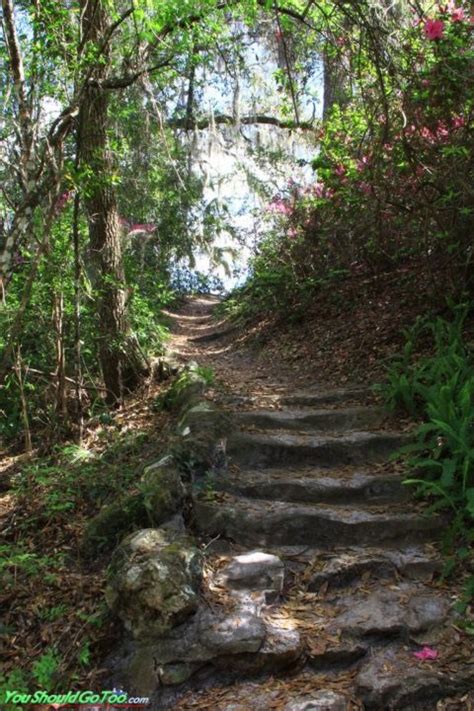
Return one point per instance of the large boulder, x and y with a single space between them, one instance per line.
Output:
153 581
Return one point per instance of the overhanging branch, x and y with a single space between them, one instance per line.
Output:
204 123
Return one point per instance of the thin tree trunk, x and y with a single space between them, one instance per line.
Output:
58 321
77 318
24 402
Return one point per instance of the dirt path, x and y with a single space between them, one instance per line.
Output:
315 551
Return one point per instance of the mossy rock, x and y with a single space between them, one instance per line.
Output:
189 387
163 490
202 431
153 581
161 495
113 522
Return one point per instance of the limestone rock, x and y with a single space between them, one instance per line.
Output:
162 489
154 579
255 571
234 634
203 430
281 649
177 673
319 701
395 681
388 612
345 652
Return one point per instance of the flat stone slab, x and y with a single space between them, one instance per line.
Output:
386 613
350 418
281 649
265 450
315 485
396 681
254 571
351 565
319 701
257 522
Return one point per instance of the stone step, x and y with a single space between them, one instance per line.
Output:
213 335
409 611
315 485
394 680
350 418
356 564
266 450
257 522
324 396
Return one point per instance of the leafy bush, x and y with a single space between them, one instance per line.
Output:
394 170
440 388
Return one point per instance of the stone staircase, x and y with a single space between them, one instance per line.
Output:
327 556
314 476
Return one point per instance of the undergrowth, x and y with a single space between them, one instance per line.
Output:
439 388
56 622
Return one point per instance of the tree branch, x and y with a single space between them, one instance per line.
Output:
204 123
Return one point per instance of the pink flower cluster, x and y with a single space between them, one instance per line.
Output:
439 133
136 228
319 190
62 200
363 163
434 29
279 206
427 653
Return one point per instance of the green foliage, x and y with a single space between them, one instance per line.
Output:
15 680
394 173
440 388
45 668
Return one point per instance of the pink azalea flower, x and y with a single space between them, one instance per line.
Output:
426 653
340 170
434 29
137 229
280 207
318 190
458 15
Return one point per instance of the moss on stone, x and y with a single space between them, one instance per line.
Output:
105 530
161 495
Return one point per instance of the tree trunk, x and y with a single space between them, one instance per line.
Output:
335 84
118 355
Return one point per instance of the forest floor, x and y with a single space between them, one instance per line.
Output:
55 622
351 330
